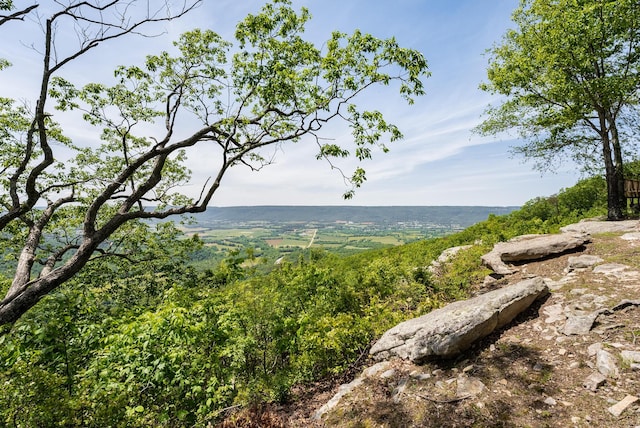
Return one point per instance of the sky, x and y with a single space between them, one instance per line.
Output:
440 161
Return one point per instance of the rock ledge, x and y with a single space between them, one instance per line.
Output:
448 331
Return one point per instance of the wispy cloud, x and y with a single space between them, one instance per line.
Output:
440 161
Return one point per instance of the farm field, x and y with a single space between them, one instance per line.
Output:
280 233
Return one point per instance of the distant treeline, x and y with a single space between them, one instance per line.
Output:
446 215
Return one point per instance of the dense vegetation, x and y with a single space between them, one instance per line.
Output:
158 343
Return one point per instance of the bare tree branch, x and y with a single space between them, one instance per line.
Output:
17 16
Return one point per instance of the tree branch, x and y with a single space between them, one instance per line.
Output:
17 16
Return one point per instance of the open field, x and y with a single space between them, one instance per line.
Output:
277 232
283 243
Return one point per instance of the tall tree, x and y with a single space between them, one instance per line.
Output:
569 74
272 89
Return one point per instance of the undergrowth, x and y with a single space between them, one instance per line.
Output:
170 346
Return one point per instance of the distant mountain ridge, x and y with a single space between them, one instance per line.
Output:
458 215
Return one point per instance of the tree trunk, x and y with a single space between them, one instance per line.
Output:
618 165
614 206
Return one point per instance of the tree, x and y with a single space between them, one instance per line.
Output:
569 74
274 88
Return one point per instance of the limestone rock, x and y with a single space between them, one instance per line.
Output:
557 285
531 247
593 349
583 262
446 256
493 261
388 374
554 313
594 381
449 330
621 406
606 364
542 246
591 227
375 369
580 324
630 357
342 391
612 269
617 270
625 303
632 236
349 387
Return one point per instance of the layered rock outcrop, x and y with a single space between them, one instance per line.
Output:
450 330
531 247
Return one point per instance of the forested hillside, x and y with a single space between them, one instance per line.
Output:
447 215
158 343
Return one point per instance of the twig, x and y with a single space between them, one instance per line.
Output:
451 400
226 409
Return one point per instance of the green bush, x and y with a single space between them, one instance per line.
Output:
160 344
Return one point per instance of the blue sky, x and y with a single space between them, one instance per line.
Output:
439 162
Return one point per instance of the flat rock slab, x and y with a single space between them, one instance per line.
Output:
621 406
617 270
554 313
349 387
584 261
607 364
448 331
592 226
594 381
531 247
632 236
631 357
579 324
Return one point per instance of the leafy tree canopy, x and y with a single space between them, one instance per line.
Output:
569 74
270 89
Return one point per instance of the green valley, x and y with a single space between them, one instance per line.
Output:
277 232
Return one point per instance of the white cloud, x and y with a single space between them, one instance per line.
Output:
440 162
